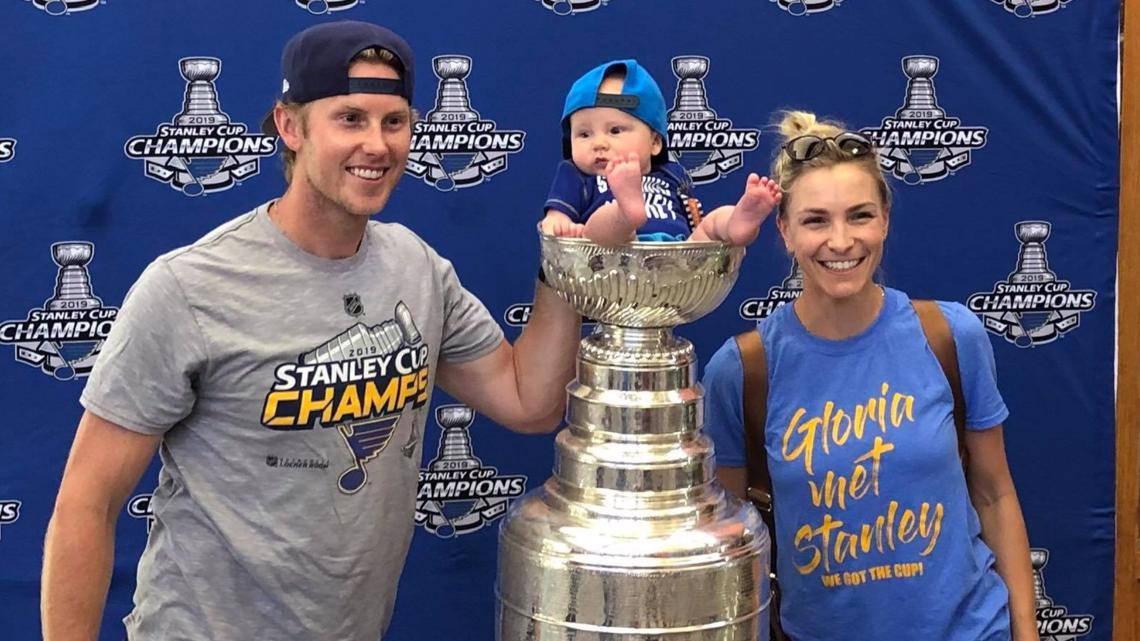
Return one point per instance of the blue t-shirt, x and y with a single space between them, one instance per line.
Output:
578 194
877 538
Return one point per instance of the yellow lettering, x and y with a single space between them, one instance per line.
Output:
840 437
422 383
349 405
270 417
907 531
805 532
376 403
805 446
311 405
859 485
931 530
876 454
408 389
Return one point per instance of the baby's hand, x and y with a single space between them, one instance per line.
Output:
567 229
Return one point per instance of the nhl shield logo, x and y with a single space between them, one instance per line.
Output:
322 7
1031 8
353 305
921 143
457 493
64 7
1032 306
201 150
453 146
806 7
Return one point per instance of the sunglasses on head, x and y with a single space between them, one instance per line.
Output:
804 148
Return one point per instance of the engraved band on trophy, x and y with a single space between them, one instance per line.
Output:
632 538
1032 262
72 281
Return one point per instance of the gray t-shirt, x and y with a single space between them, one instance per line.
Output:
292 392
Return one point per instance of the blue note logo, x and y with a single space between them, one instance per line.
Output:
778 296
360 382
705 144
201 151
139 508
806 7
9 513
457 493
64 337
1032 306
454 147
571 7
1054 623
1031 8
7 149
323 7
921 143
64 7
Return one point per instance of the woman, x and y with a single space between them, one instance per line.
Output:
880 534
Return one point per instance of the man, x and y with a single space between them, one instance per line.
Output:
283 366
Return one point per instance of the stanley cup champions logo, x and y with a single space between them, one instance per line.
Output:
457 493
139 507
1032 306
358 382
805 7
1054 623
321 7
570 7
921 143
782 294
64 7
201 151
64 338
1031 8
708 147
453 146
7 149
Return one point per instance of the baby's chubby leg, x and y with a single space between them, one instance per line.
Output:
616 222
739 225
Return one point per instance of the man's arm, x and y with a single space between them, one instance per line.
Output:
523 386
1003 527
104 466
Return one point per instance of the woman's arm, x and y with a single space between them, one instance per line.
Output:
1003 528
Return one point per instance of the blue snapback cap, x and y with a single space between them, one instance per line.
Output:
315 63
640 97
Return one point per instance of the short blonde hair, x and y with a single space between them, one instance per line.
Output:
371 54
803 123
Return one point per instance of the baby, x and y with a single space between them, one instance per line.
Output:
619 185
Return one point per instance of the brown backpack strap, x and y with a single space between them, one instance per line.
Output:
937 331
754 400
755 404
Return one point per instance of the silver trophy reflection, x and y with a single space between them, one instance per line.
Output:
633 539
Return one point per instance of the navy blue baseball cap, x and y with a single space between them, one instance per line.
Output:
315 63
640 97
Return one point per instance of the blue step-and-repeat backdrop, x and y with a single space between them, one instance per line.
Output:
997 120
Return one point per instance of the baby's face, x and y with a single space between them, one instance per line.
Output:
598 134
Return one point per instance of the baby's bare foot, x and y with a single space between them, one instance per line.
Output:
623 174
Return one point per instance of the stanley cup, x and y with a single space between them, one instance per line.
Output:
633 539
691 102
455 445
200 101
360 339
920 102
1032 263
1038 558
72 281
452 103
795 279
